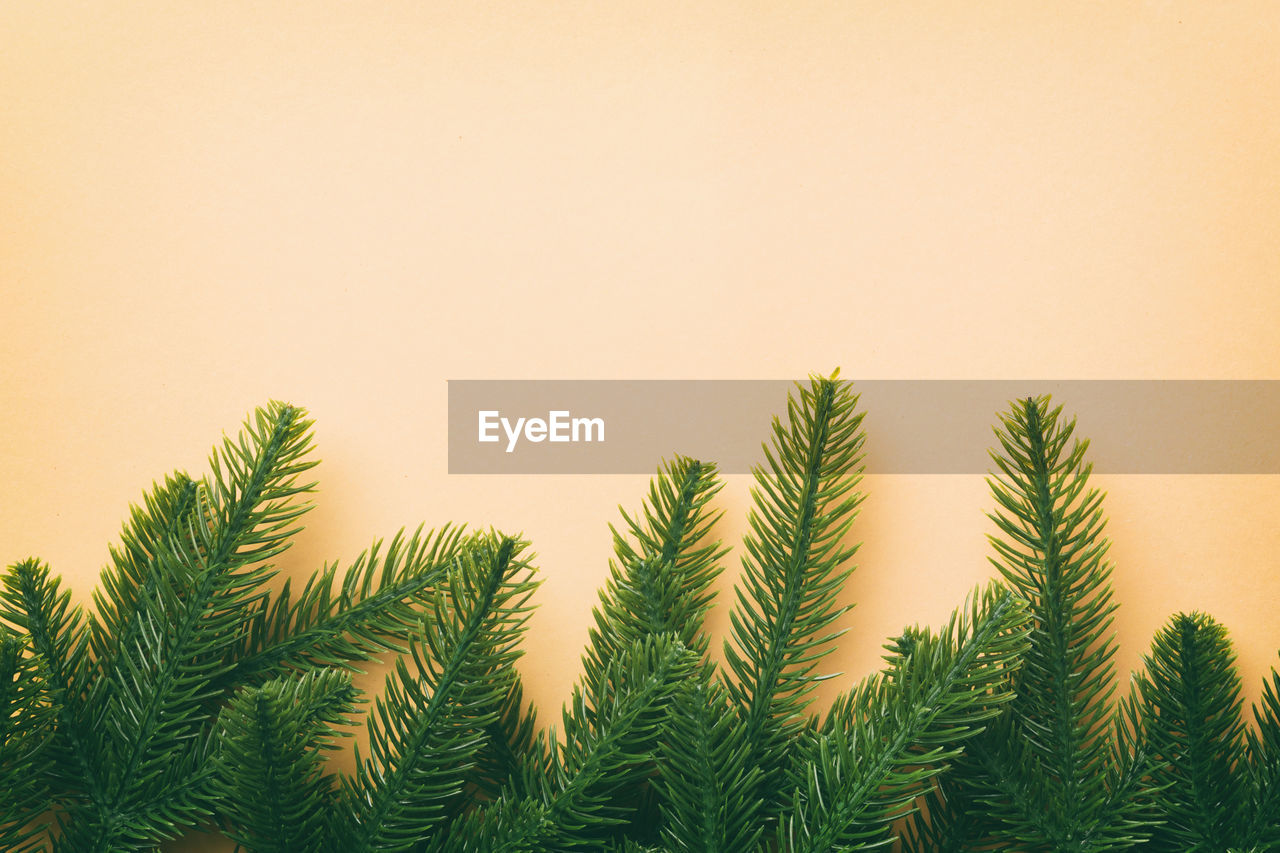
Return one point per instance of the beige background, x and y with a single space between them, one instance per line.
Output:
204 206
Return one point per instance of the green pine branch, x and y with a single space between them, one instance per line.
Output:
269 771
1130 808
33 601
707 784
337 621
184 618
205 581
886 739
660 581
131 581
1264 767
575 787
1049 776
659 585
947 820
25 728
610 736
795 565
1192 716
426 731
511 742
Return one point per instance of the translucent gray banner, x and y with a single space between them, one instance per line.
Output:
912 426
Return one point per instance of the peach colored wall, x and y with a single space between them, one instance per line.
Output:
203 206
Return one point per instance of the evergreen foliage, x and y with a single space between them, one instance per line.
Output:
660 580
198 693
1264 767
796 562
1063 769
885 739
1216 775
428 727
131 694
24 754
267 749
708 782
